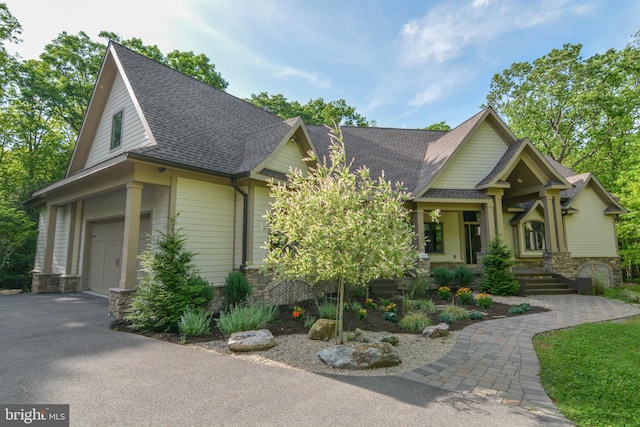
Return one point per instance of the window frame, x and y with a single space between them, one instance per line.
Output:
539 236
428 243
116 130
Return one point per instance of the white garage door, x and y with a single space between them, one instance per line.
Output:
105 257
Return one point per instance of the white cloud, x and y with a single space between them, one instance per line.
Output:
448 30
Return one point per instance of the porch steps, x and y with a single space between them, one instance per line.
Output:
542 283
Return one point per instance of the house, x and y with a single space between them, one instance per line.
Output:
155 143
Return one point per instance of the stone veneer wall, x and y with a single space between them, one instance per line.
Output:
44 283
563 263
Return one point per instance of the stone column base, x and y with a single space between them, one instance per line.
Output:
120 302
42 283
560 263
69 284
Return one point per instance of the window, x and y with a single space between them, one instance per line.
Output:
433 238
534 236
116 130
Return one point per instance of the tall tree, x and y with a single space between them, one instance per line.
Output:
337 224
314 112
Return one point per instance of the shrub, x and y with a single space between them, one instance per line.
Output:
383 303
170 284
327 310
355 306
444 293
194 322
309 320
362 314
241 318
415 321
484 300
390 316
445 317
475 315
370 304
237 289
456 312
516 310
419 285
630 296
464 296
442 276
496 278
525 306
462 276
600 284
423 305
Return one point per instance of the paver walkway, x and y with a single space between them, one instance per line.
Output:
495 359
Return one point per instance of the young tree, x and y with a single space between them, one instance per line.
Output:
338 224
496 278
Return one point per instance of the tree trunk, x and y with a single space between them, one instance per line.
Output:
340 326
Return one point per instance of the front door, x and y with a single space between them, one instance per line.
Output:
472 240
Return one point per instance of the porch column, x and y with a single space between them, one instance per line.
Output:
554 229
489 224
418 228
52 219
496 194
128 271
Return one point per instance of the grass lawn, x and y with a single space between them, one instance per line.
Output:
592 372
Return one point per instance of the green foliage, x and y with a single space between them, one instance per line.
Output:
419 285
390 316
525 306
415 321
355 306
239 319
456 312
17 230
462 276
335 224
237 289
170 285
442 276
464 296
362 314
631 295
484 300
423 305
444 293
475 315
592 372
314 112
496 278
600 284
438 126
309 320
326 310
516 309
445 317
383 303
194 322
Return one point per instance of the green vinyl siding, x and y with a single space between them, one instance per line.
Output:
288 156
590 233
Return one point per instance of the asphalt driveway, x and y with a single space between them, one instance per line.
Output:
59 349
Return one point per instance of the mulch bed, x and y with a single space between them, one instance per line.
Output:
286 324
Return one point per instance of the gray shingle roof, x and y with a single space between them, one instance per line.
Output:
439 193
195 124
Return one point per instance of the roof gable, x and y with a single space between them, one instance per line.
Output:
587 180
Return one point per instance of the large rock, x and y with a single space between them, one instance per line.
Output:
323 330
251 340
360 335
361 356
436 331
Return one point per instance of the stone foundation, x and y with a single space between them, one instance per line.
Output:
609 268
69 284
560 263
266 288
120 302
42 283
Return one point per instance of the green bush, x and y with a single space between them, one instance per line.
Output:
525 306
327 310
169 286
194 322
442 276
423 305
463 277
600 284
415 321
309 320
484 300
456 312
445 317
419 285
237 289
355 306
516 310
496 278
475 315
629 296
241 318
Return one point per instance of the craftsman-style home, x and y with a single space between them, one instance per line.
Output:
155 143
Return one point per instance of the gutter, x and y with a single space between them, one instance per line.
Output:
245 223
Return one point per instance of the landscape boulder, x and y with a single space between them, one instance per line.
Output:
323 330
360 335
251 340
436 331
361 356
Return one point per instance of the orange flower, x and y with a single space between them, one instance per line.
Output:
296 314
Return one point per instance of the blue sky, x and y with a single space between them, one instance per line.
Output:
400 63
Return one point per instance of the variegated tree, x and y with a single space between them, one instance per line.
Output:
337 224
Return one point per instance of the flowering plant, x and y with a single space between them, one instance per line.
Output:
370 304
362 314
297 311
464 296
390 308
484 300
444 293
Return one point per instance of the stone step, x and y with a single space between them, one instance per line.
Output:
550 291
545 285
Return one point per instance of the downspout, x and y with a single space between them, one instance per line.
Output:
245 223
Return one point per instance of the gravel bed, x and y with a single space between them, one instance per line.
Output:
298 352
